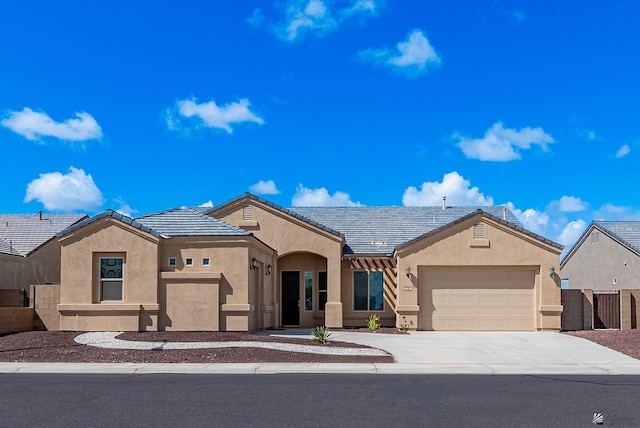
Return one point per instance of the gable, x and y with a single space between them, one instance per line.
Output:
278 228
480 239
108 230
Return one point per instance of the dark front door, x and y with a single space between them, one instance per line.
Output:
290 298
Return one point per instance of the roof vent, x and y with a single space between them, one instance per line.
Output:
40 214
378 243
504 213
444 202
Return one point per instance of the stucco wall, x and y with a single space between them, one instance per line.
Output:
289 235
79 290
596 265
40 267
502 246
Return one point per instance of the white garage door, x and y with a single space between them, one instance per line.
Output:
477 299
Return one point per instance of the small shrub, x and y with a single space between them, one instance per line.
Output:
405 326
321 334
373 322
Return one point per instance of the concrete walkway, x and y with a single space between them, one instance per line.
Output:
416 353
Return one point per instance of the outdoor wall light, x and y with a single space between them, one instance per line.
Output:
552 271
269 268
408 271
254 263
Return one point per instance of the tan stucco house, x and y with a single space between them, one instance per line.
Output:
249 264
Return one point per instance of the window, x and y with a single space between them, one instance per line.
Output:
206 261
308 291
172 261
111 278
322 290
188 261
368 291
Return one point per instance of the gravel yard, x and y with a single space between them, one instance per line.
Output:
626 341
57 346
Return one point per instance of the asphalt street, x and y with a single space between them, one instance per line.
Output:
301 400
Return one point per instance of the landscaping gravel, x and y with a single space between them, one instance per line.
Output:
57 346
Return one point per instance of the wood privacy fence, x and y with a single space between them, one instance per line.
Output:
589 309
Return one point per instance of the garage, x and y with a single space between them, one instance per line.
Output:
477 299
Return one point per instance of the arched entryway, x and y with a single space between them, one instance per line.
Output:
302 289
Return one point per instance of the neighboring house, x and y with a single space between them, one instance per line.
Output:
249 264
605 258
29 250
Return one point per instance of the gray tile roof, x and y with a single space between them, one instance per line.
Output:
21 234
627 232
173 222
380 230
109 213
189 222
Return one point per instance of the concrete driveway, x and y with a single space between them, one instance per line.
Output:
497 352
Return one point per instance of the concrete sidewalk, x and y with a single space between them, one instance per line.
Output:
416 353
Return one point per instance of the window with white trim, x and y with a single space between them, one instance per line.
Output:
111 278
368 291
172 261
188 261
206 261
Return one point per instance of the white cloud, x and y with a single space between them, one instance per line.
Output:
623 151
320 197
211 115
65 192
531 219
317 17
414 56
265 188
457 190
208 204
124 208
571 204
571 232
33 125
503 144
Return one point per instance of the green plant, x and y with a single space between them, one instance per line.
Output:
405 326
373 322
321 334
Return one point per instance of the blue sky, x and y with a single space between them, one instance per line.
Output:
145 106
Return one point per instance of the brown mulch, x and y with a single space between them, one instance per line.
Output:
59 346
624 341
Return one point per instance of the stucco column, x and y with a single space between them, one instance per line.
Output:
333 307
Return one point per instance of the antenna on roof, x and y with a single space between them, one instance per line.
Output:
444 202
40 213
504 213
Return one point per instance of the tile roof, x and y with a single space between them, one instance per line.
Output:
21 234
109 213
174 222
627 232
189 222
380 230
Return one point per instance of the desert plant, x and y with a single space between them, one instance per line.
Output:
405 326
373 322
321 334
